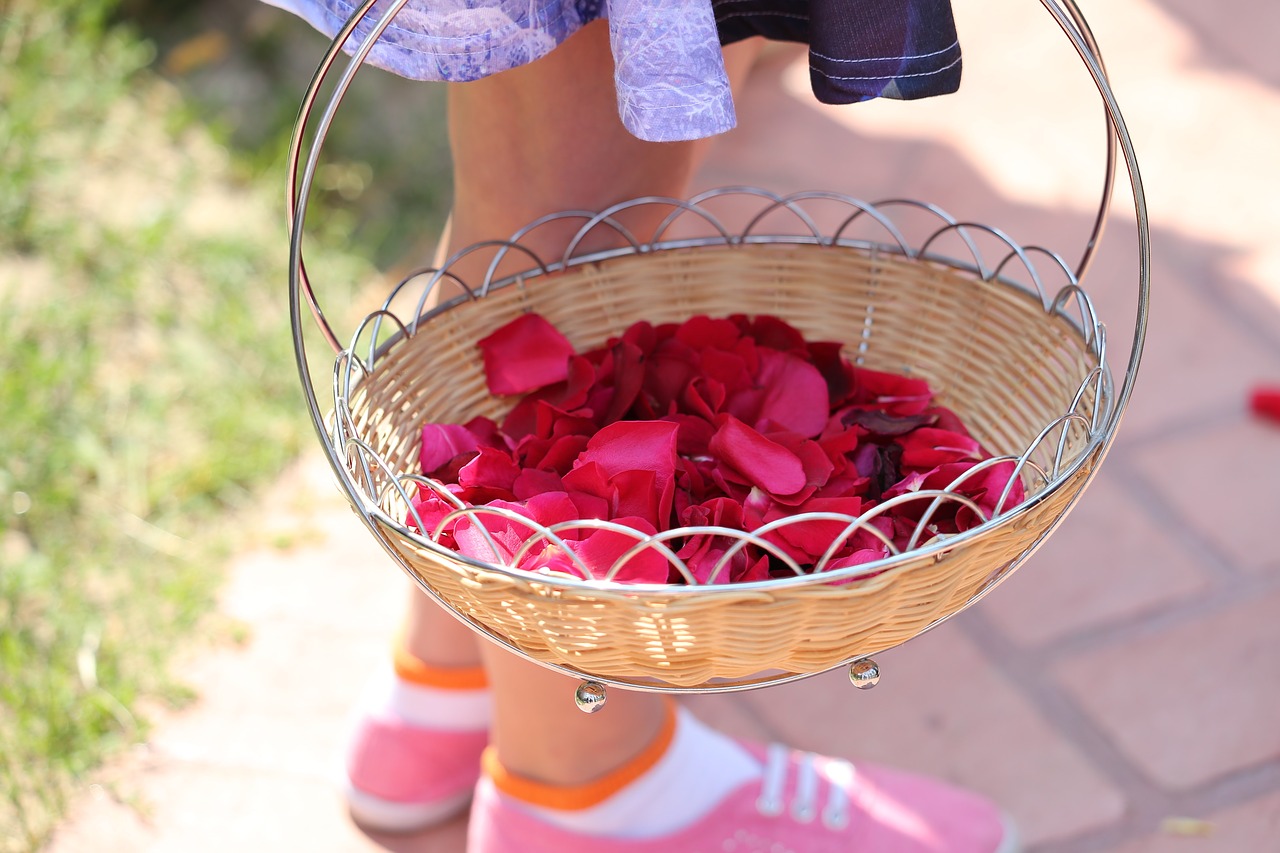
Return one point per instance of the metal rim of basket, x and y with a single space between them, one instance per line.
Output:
350 368
302 173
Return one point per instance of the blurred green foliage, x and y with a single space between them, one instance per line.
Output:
147 385
243 66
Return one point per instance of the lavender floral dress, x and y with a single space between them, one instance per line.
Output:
667 62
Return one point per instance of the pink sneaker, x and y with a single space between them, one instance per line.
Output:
403 773
802 803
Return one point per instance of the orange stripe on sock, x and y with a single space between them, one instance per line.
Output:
576 797
414 671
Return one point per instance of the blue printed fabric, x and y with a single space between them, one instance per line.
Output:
668 66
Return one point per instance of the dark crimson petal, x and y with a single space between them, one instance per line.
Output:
760 461
775 333
565 396
554 422
525 354
551 454
487 433
881 464
448 472
886 425
671 367
835 369
481 495
947 419
628 377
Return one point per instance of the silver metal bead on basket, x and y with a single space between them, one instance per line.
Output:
1005 334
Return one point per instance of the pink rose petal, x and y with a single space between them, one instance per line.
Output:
441 443
601 549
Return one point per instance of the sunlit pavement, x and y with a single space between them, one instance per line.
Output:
1118 693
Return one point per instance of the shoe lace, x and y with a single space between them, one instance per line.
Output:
838 775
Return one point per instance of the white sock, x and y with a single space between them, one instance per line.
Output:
443 709
699 769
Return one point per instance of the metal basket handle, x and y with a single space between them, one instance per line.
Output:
301 177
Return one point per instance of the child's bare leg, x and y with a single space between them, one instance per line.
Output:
540 139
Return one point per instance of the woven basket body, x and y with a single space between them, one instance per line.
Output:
991 351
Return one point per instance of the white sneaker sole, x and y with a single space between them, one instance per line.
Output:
1010 843
375 813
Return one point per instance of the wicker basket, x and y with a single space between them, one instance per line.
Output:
903 309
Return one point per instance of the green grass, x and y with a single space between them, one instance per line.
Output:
147 388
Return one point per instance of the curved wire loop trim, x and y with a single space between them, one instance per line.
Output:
1052 456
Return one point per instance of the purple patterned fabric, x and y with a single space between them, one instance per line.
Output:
668 68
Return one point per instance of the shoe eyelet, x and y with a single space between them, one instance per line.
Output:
803 815
769 808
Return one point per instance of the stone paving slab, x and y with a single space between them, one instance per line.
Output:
1117 693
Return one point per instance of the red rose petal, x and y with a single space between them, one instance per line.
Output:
525 354
491 468
795 394
896 394
634 446
760 461
928 447
702 332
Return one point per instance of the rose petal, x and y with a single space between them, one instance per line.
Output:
491 468
703 332
441 443
896 394
634 446
835 369
928 447
795 394
600 550
772 332
525 354
531 482
758 460
885 425
566 396
818 467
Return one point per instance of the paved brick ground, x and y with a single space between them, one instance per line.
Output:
1118 693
